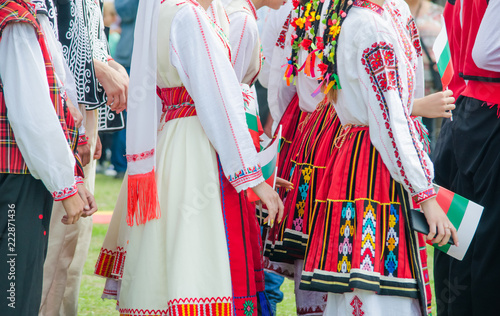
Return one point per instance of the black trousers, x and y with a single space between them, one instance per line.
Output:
25 208
467 161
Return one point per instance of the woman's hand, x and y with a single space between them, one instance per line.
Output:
282 183
272 200
437 219
439 104
115 84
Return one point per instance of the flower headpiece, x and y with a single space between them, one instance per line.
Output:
308 24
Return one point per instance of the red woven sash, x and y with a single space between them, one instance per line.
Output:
176 103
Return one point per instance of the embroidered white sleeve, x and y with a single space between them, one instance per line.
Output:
392 130
209 78
35 124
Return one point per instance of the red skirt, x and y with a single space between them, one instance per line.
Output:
360 237
287 241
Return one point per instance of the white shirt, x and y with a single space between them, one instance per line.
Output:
486 51
209 78
378 79
273 26
31 113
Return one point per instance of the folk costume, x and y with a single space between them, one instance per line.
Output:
466 155
309 150
197 206
361 249
247 60
68 245
28 184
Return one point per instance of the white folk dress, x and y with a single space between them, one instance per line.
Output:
180 262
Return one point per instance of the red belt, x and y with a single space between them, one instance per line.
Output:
176 103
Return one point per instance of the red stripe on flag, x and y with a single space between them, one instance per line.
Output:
447 75
444 198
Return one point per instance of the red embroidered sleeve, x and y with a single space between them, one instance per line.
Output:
381 65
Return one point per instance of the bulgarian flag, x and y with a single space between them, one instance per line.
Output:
464 215
442 52
268 159
252 117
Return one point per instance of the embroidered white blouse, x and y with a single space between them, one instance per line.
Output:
377 69
204 68
244 39
275 25
279 93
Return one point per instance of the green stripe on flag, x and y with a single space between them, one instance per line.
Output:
252 122
269 169
457 210
444 249
444 59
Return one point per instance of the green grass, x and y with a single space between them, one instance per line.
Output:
106 191
90 302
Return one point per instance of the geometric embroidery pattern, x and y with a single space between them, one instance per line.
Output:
346 234
380 63
392 242
356 306
368 238
305 178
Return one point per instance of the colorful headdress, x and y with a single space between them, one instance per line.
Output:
307 24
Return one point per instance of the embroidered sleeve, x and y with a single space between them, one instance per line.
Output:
65 193
391 128
206 72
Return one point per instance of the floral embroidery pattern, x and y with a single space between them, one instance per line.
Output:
368 238
356 306
415 38
245 175
248 308
64 193
346 233
378 71
369 5
282 37
141 156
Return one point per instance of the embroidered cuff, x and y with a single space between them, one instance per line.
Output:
82 140
78 180
65 193
424 195
246 178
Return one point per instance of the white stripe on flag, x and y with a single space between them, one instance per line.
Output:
441 40
466 230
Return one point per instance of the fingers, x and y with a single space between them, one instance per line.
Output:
448 93
449 100
111 100
454 235
432 231
440 234
92 206
281 209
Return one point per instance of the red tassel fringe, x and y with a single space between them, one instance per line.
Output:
143 204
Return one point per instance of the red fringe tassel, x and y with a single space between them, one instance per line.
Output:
143 204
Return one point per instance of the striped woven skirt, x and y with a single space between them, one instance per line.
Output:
360 236
287 241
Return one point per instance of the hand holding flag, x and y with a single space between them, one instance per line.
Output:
442 54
